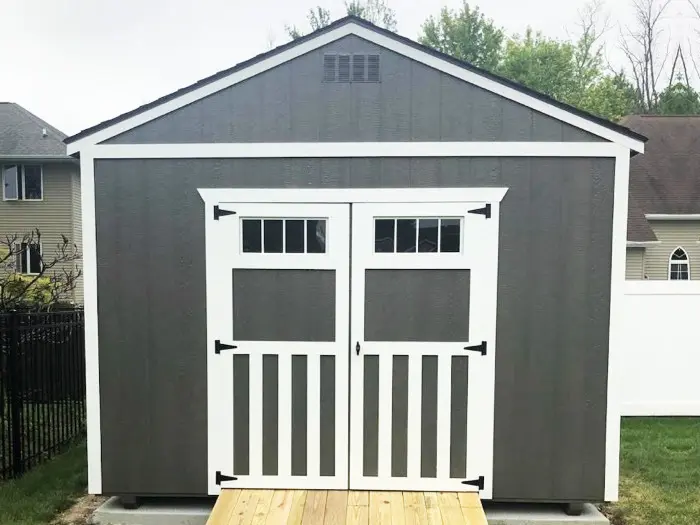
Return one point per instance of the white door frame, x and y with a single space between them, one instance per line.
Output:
479 253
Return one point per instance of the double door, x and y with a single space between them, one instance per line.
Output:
351 345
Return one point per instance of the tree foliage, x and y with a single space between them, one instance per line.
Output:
679 99
465 34
376 11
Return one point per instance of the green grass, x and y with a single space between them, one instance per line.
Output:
38 496
660 472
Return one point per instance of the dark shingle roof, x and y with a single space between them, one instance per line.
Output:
338 23
21 133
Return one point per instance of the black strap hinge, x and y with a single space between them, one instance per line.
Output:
220 477
478 482
485 211
481 348
218 212
219 346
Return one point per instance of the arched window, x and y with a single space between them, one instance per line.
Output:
678 265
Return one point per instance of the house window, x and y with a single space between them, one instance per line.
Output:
679 265
22 182
29 258
412 235
283 235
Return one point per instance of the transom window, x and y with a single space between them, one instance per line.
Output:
679 265
417 235
28 258
22 182
283 235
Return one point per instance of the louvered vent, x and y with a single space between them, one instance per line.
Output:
350 68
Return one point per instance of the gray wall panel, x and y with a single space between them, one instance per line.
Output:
152 360
370 417
399 416
459 381
299 414
417 305
241 414
270 398
428 417
283 305
327 426
290 103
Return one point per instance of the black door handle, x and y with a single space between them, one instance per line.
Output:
357 348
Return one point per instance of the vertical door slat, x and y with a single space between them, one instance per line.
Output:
443 416
256 435
313 418
414 403
385 404
284 414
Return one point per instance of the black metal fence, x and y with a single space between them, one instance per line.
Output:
42 387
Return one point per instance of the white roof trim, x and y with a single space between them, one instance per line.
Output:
673 216
641 244
352 28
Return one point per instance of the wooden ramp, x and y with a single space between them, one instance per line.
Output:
340 507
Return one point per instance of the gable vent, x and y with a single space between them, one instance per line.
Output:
359 67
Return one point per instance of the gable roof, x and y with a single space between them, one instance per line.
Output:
21 134
380 36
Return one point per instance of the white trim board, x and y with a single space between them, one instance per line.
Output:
354 149
213 196
352 28
656 408
642 244
673 216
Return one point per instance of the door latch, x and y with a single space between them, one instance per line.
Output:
357 348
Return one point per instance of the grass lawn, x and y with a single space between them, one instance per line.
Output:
38 496
660 472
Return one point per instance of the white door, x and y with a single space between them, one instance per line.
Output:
277 313
423 325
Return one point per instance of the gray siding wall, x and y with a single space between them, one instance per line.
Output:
413 102
553 311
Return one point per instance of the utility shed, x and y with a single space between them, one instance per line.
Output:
354 262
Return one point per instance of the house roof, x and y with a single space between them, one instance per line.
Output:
352 20
21 134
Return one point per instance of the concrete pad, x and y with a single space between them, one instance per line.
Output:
195 511
533 514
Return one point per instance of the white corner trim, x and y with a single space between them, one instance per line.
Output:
354 149
642 244
92 366
212 196
673 216
617 329
656 408
381 40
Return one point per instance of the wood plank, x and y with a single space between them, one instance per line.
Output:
263 508
315 507
450 510
297 511
469 500
358 498
379 508
336 508
223 508
414 508
398 516
245 508
432 508
279 507
474 516
358 515
448 499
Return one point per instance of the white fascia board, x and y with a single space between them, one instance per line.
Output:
212 196
354 149
381 40
641 244
673 216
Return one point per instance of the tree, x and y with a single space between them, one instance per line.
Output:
318 18
465 34
679 99
376 11
611 97
57 275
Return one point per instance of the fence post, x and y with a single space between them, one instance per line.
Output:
13 386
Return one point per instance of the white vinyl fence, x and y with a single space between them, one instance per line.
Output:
660 359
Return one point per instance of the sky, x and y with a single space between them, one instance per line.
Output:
75 63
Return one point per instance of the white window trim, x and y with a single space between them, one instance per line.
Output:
681 262
20 173
387 42
27 254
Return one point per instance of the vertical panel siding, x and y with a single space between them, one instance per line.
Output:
635 264
53 216
458 416
399 415
77 229
270 397
370 416
672 234
327 409
428 417
241 414
299 414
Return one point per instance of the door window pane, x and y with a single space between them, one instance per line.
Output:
428 235
10 184
406 235
32 182
273 236
315 236
294 236
450 235
384 235
252 235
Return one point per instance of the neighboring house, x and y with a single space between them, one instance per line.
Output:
663 237
40 185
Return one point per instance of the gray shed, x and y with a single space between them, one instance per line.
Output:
354 262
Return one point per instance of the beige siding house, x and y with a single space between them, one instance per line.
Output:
663 238
40 187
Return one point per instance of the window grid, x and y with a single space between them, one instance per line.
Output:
440 224
679 265
19 174
251 244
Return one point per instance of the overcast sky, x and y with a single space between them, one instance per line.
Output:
76 63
